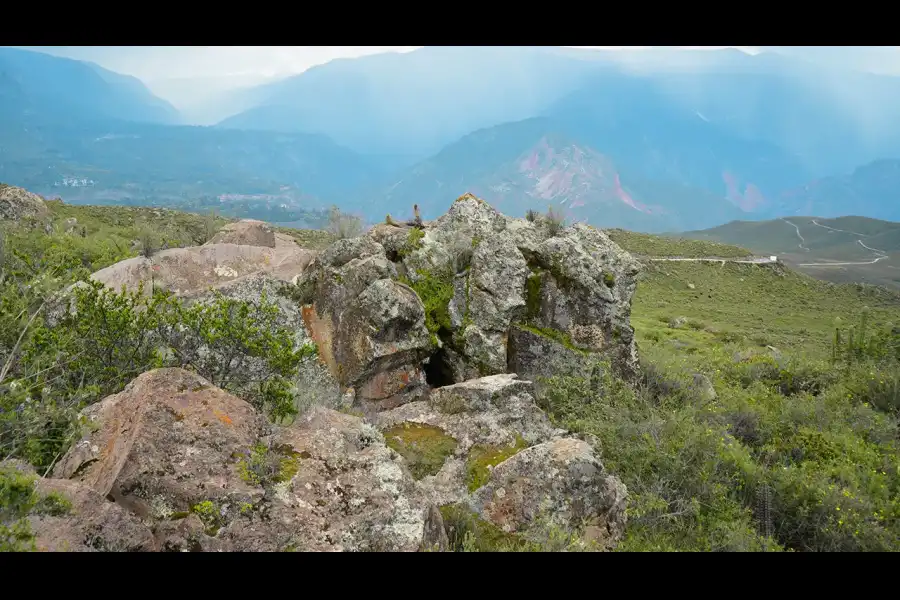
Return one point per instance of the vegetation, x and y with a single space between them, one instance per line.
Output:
342 225
54 361
644 244
425 447
798 451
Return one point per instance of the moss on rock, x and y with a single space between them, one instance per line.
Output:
483 458
424 447
466 531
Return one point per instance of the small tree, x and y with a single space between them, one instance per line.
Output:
342 225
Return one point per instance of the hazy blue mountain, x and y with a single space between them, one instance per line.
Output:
412 104
872 190
74 130
32 83
536 163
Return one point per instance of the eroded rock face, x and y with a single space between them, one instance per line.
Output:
246 232
481 274
369 328
17 204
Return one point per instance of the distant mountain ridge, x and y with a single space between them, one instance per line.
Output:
637 141
57 89
843 249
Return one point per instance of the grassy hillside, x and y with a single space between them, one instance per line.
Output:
644 244
821 247
796 448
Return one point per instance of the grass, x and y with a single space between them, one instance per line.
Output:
645 244
425 447
797 451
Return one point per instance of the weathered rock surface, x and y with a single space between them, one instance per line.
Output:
510 466
91 524
349 493
246 232
370 329
167 442
561 482
482 274
17 204
174 455
187 271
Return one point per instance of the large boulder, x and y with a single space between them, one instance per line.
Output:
17 204
489 284
169 441
369 328
246 232
559 482
471 443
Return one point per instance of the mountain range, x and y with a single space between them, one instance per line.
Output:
649 141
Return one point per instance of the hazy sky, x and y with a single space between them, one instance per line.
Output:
151 63
188 75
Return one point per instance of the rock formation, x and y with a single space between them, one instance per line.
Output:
493 294
17 204
433 335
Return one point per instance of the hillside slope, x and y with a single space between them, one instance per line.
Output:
60 89
858 249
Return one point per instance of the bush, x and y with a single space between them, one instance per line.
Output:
554 220
754 470
110 338
342 225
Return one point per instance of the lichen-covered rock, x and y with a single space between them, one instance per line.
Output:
246 232
586 291
17 204
369 328
494 412
87 522
536 355
560 482
167 442
347 492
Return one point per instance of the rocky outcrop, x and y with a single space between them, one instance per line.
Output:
194 270
17 204
173 463
507 463
488 285
369 328
200 468
246 233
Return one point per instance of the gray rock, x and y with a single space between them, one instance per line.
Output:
17 204
246 232
560 482
703 388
